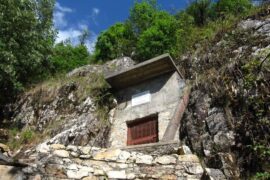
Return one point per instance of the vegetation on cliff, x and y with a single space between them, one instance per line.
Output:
233 71
226 62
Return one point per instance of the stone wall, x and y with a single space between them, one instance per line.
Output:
166 92
57 161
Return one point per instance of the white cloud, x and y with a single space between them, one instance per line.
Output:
59 18
82 26
91 43
62 8
95 11
94 14
68 34
66 31
73 34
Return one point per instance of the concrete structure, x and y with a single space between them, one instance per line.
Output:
155 89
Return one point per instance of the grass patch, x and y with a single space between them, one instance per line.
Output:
18 139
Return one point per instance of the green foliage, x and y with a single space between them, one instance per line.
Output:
262 150
159 38
26 40
200 11
142 15
67 57
101 96
250 70
184 33
115 42
225 7
84 36
262 176
27 135
149 31
18 138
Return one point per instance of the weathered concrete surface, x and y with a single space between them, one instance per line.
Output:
166 92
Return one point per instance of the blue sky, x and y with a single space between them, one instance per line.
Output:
71 17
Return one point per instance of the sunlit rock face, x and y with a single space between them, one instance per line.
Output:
88 162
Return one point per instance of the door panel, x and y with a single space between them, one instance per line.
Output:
143 131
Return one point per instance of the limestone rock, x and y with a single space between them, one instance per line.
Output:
85 156
123 156
122 165
166 160
61 153
169 177
188 158
55 169
43 148
77 174
57 146
184 150
117 175
74 154
131 176
90 178
73 167
214 174
98 172
85 150
4 148
144 159
194 168
72 148
108 155
67 161
224 140
250 24
216 121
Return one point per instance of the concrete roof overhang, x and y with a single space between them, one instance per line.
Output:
142 71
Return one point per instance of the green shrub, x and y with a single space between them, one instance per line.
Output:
27 136
67 57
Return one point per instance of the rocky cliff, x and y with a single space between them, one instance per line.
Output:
227 120
71 109
60 127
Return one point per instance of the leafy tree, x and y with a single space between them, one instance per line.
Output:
115 42
84 36
184 32
159 38
200 10
26 40
142 15
67 57
148 32
225 7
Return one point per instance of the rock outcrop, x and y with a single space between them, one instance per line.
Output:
66 110
229 106
85 162
229 82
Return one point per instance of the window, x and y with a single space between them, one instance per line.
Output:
141 98
143 131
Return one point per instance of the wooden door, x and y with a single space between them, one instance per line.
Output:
143 131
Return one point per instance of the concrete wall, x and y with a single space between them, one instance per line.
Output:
166 91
